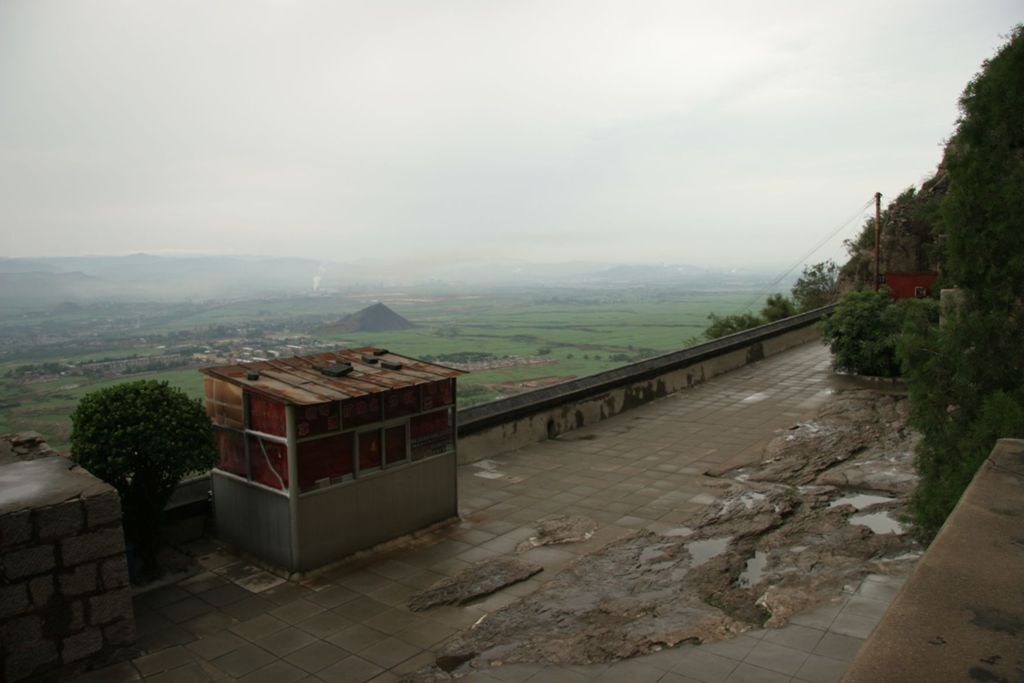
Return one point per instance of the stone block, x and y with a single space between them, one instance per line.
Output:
92 546
81 645
115 573
21 630
102 509
120 632
104 609
59 521
15 529
22 662
41 590
82 579
21 563
76 616
14 600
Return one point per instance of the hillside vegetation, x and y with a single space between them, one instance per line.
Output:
965 374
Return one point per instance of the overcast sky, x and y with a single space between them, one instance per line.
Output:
712 133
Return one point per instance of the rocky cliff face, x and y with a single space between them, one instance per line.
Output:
910 235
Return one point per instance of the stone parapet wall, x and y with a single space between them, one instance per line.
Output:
960 615
507 424
65 597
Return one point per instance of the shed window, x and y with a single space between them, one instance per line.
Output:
359 411
231 451
269 461
400 402
431 434
317 419
395 443
369 450
436 394
266 415
324 460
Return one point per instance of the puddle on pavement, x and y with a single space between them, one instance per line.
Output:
904 556
878 522
656 552
702 551
755 567
749 498
653 552
678 531
860 500
489 470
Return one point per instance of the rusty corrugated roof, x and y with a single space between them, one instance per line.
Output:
300 381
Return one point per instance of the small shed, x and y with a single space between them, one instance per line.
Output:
910 285
325 455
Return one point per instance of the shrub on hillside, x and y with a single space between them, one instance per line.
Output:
817 286
142 438
777 307
862 333
966 376
721 326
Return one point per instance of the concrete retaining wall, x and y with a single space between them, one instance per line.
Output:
517 421
65 600
960 615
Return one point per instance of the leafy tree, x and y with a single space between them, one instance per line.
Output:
816 286
966 376
862 334
142 438
777 307
721 326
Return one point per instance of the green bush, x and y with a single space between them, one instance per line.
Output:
777 307
720 326
817 286
862 333
142 438
966 376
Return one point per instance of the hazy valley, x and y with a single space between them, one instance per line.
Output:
70 326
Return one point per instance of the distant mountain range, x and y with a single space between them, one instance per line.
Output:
34 282
143 277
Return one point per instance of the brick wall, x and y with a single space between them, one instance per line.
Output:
65 598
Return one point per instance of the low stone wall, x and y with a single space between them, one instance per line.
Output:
65 599
517 421
960 615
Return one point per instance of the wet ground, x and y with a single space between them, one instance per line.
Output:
626 498
778 541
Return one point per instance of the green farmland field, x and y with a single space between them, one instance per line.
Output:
544 336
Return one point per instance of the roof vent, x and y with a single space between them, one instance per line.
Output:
252 375
370 359
335 369
390 365
379 352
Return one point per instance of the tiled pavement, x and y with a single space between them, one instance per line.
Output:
234 621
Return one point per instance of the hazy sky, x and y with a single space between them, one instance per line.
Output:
713 133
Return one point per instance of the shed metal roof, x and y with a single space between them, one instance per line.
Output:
300 381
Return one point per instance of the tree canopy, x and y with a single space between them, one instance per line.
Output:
966 376
142 438
816 286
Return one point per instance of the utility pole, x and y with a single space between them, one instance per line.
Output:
878 231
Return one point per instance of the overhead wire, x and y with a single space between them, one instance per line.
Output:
810 252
